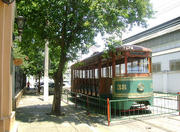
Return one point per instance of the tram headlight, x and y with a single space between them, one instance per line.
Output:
140 87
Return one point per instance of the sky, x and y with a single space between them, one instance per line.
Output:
165 10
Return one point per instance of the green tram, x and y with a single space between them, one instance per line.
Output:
124 73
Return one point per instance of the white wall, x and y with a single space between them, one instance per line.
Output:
166 80
174 82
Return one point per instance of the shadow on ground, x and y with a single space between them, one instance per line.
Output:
39 112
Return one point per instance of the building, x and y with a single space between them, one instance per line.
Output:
7 116
164 40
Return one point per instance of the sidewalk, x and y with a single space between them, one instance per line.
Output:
31 116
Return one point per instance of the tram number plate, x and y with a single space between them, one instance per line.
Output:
121 87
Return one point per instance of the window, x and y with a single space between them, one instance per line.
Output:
105 71
175 65
137 66
84 74
96 73
122 68
118 69
156 67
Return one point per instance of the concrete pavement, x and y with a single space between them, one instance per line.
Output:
31 116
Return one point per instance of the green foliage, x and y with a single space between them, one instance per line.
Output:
111 44
79 64
32 56
71 25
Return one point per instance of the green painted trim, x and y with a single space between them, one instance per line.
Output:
134 95
131 78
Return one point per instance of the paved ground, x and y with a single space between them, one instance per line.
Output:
31 116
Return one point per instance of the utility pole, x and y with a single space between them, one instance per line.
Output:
46 77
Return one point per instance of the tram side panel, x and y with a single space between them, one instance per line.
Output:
136 89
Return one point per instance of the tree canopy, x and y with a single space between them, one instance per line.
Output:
71 25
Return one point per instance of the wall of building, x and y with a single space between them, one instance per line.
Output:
166 80
165 48
7 117
164 42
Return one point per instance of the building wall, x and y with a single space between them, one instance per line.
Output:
166 80
164 42
7 117
165 48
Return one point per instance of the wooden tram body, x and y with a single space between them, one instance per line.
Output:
124 74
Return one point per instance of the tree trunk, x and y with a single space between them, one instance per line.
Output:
56 108
39 86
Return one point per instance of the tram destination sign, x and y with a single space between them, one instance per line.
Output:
138 53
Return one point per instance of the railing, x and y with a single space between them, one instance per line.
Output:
90 103
162 104
20 80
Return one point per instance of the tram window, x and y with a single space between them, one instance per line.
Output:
88 74
144 66
107 71
75 73
118 69
132 67
81 73
96 73
122 68
84 74
103 74
138 66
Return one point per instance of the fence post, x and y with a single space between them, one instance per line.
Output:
67 98
87 104
178 102
108 112
76 100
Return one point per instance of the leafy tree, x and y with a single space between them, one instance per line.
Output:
31 53
71 25
33 60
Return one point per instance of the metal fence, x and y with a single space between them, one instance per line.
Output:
163 104
91 104
20 79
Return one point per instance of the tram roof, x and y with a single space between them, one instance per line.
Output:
124 48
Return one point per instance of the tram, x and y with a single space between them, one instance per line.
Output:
124 73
